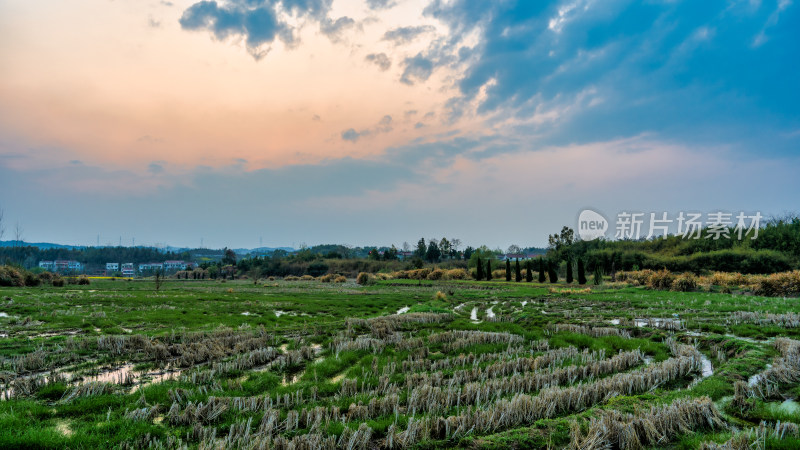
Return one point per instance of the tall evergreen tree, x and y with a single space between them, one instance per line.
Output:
518 271
552 273
569 271
581 272
479 274
598 275
508 270
488 270
541 270
528 272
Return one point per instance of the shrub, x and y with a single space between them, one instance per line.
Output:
340 279
31 279
499 274
685 282
317 268
11 277
456 274
46 277
364 279
83 280
661 280
58 281
785 284
729 279
307 278
419 274
636 278
326 278
289 278
436 274
439 295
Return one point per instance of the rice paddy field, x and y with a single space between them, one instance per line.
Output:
396 364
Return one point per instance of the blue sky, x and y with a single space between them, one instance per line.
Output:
377 122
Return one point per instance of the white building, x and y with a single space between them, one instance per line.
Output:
112 267
128 270
146 267
177 265
61 266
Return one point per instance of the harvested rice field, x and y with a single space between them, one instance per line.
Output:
396 364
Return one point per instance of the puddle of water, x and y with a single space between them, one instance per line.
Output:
403 310
789 406
706 370
155 377
246 313
657 322
746 339
490 314
279 313
473 315
2 314
614 321
755 379
53 334
458 308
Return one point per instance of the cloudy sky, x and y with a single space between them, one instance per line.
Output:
380 121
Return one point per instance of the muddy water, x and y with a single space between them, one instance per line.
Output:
473 316
117 375
706 370
755 379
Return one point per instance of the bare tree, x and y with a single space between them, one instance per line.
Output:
18 233
455 243
159 278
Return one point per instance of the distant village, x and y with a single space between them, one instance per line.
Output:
118 269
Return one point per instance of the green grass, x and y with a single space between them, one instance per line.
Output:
64 324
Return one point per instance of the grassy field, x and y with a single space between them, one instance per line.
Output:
397 364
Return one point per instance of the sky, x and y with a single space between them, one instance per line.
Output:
242 123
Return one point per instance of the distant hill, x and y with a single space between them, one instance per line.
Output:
42 245
165 249
259 250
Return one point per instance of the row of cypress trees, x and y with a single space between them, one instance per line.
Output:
548 265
